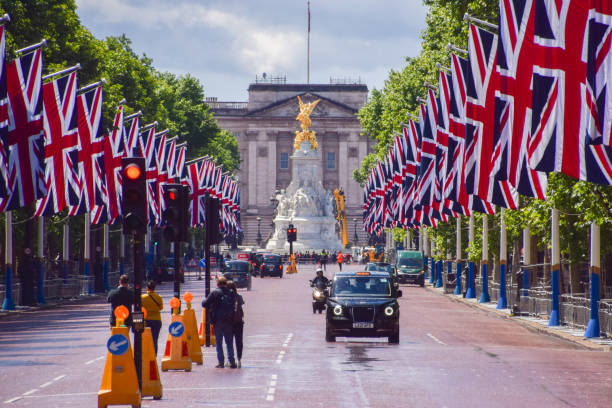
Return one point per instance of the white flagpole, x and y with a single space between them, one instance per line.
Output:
308 49
66 250
105 260
8 303
40 293
87 288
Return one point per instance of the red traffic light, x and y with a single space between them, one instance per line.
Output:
172 195
132 171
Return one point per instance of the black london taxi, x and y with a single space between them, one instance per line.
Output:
272 266
362 304
239 272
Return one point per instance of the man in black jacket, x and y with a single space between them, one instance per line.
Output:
122 295
220 304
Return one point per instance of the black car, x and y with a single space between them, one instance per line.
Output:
239 272
272 266
363 304
256 260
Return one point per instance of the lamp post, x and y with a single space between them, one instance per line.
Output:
356 237
258 231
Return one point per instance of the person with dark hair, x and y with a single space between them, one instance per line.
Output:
238 321
153 304
220 304
121 295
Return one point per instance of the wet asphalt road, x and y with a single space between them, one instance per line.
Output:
449 355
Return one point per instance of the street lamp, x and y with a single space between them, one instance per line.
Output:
258 231
356 237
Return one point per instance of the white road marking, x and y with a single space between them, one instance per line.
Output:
436 339
12 400
282 352
273 383
46 384
280 360
271 390
59 377
272 387
270 397
274 376
94 360
30 392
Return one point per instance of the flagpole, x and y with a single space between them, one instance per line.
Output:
105 260
484 292
91 86
8 303
40 293
555 266
471 289
66 250
5 19
308 49
458 288
592 329
87 289
502 301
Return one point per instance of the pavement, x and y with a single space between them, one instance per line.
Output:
533 323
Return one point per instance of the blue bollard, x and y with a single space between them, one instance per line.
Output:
432 275
471 282
554 313
425 269
592 329
40 291
105 274
526 282
439 283
8 303
484 294
458 288
502 301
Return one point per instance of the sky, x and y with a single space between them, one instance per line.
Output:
226 43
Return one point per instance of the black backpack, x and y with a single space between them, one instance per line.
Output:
225 308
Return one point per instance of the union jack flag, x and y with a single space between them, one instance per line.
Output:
25 141
513 101
132 140
171 160
91 151
481 81
61 146
114 151
147 150
180 160
198 192
427 188
3 118
571 48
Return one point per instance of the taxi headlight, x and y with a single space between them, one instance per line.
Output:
389 311
337 310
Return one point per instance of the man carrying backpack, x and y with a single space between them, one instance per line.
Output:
220 303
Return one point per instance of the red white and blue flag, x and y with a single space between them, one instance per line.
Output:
61 146
25 137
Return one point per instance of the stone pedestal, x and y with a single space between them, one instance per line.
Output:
306 205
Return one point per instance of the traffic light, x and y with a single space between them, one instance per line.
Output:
134 199
174 216
291 233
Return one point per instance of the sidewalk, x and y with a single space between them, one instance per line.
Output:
532 322
4 314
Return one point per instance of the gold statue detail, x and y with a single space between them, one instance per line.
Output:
304 117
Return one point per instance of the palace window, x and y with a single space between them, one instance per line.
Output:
284 160
331 160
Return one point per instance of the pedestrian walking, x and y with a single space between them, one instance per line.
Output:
340 259
121 295
220 303
323 260
238 321
153 304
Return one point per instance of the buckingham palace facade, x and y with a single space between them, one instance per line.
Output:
265 130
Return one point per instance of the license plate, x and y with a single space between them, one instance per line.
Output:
361 325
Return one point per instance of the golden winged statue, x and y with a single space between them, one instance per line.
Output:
304 118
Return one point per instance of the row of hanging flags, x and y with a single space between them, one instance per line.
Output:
532 99
53 151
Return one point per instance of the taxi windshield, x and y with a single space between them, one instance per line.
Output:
361 286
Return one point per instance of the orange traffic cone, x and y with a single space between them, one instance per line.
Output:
119 381
151 382
176 356
202 332
191 331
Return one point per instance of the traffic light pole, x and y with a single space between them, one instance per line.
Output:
207 287
177 269
137 320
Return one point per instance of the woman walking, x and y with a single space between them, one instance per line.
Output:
238 321
153 303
